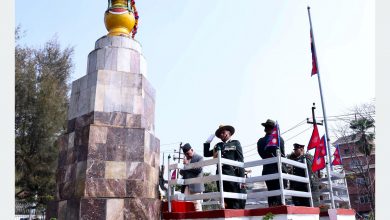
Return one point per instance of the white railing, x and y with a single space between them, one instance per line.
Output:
218 197
339 188
27 217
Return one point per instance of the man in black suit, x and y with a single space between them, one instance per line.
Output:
232 150
196 188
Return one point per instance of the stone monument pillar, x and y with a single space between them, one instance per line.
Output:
108 164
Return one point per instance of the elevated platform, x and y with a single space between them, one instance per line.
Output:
179 204
277 213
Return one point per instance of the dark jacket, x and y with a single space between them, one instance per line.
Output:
301 172
268 152
193 173
231 150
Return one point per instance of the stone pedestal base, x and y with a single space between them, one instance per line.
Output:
106 209
108 165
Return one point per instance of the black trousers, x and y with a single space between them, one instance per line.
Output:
300 201
233 187
274 185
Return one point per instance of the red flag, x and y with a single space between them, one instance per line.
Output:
314 69
315 139
336 156
322 147
318 162
274 141
173 175
319 156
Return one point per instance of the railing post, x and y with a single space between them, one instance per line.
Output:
280 177
346 186
220 177
169 186
309 184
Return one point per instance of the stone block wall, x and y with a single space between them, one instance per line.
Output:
108 164
112 92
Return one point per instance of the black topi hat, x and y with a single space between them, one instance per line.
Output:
186 147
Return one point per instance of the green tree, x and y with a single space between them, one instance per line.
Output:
360 126
41 102
210 187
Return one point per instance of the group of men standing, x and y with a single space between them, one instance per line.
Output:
232 150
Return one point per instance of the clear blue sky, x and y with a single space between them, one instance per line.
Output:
230 62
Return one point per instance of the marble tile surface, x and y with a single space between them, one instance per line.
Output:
100 59
115 170
70 173
72 209
81 167
115 208
104 77
136 171
82 153
75 86
81 123
108 161
112 91
62 209
95 169
60 175
92 99
98 134
124 60
70 140
97 151
135 63
105 188
100 94
71 156
143 66
111 59
83 82
67 189
118 41
139 208
80 188
93 209
92 62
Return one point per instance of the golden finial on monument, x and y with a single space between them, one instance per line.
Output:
121 18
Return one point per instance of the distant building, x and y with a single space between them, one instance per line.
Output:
360 173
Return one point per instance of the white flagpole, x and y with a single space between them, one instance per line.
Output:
328 167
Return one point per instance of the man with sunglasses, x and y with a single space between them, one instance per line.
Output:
196 188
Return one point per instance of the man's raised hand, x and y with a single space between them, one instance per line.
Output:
210 138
